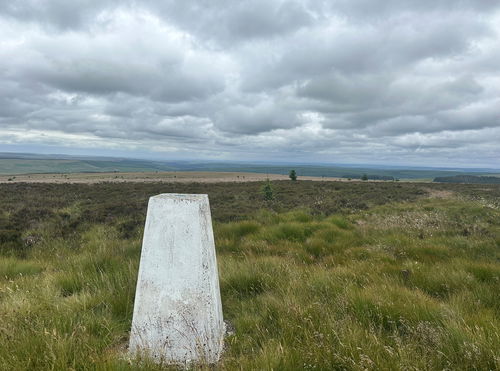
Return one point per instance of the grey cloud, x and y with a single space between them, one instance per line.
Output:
162 70
58 14
395 80
480 115
181 127
221 20
102 77
264 117
227 21
376 11
388 105
352 50
345 93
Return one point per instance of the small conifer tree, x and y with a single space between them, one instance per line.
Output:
267 191
292 175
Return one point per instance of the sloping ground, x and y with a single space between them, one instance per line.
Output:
360 280
29 166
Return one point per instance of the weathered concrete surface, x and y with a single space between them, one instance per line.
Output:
177 312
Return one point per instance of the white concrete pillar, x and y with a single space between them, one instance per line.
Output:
177 312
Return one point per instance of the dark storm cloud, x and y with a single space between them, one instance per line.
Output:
358 80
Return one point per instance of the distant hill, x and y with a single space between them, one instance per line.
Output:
472 179
37 166
14 164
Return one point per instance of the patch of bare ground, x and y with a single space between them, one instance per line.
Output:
408 220
439 193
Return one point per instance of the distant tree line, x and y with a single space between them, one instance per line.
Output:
473 179
368 177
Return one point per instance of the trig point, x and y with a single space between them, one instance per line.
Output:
177 312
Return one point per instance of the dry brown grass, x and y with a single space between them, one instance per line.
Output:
440 193
163 176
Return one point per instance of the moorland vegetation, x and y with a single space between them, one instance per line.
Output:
322 275
468 179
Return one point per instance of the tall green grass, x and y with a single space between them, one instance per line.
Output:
400 286
11 268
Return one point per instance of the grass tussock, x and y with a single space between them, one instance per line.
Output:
11 268
405 285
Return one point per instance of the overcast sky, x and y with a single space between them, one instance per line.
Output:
413 82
